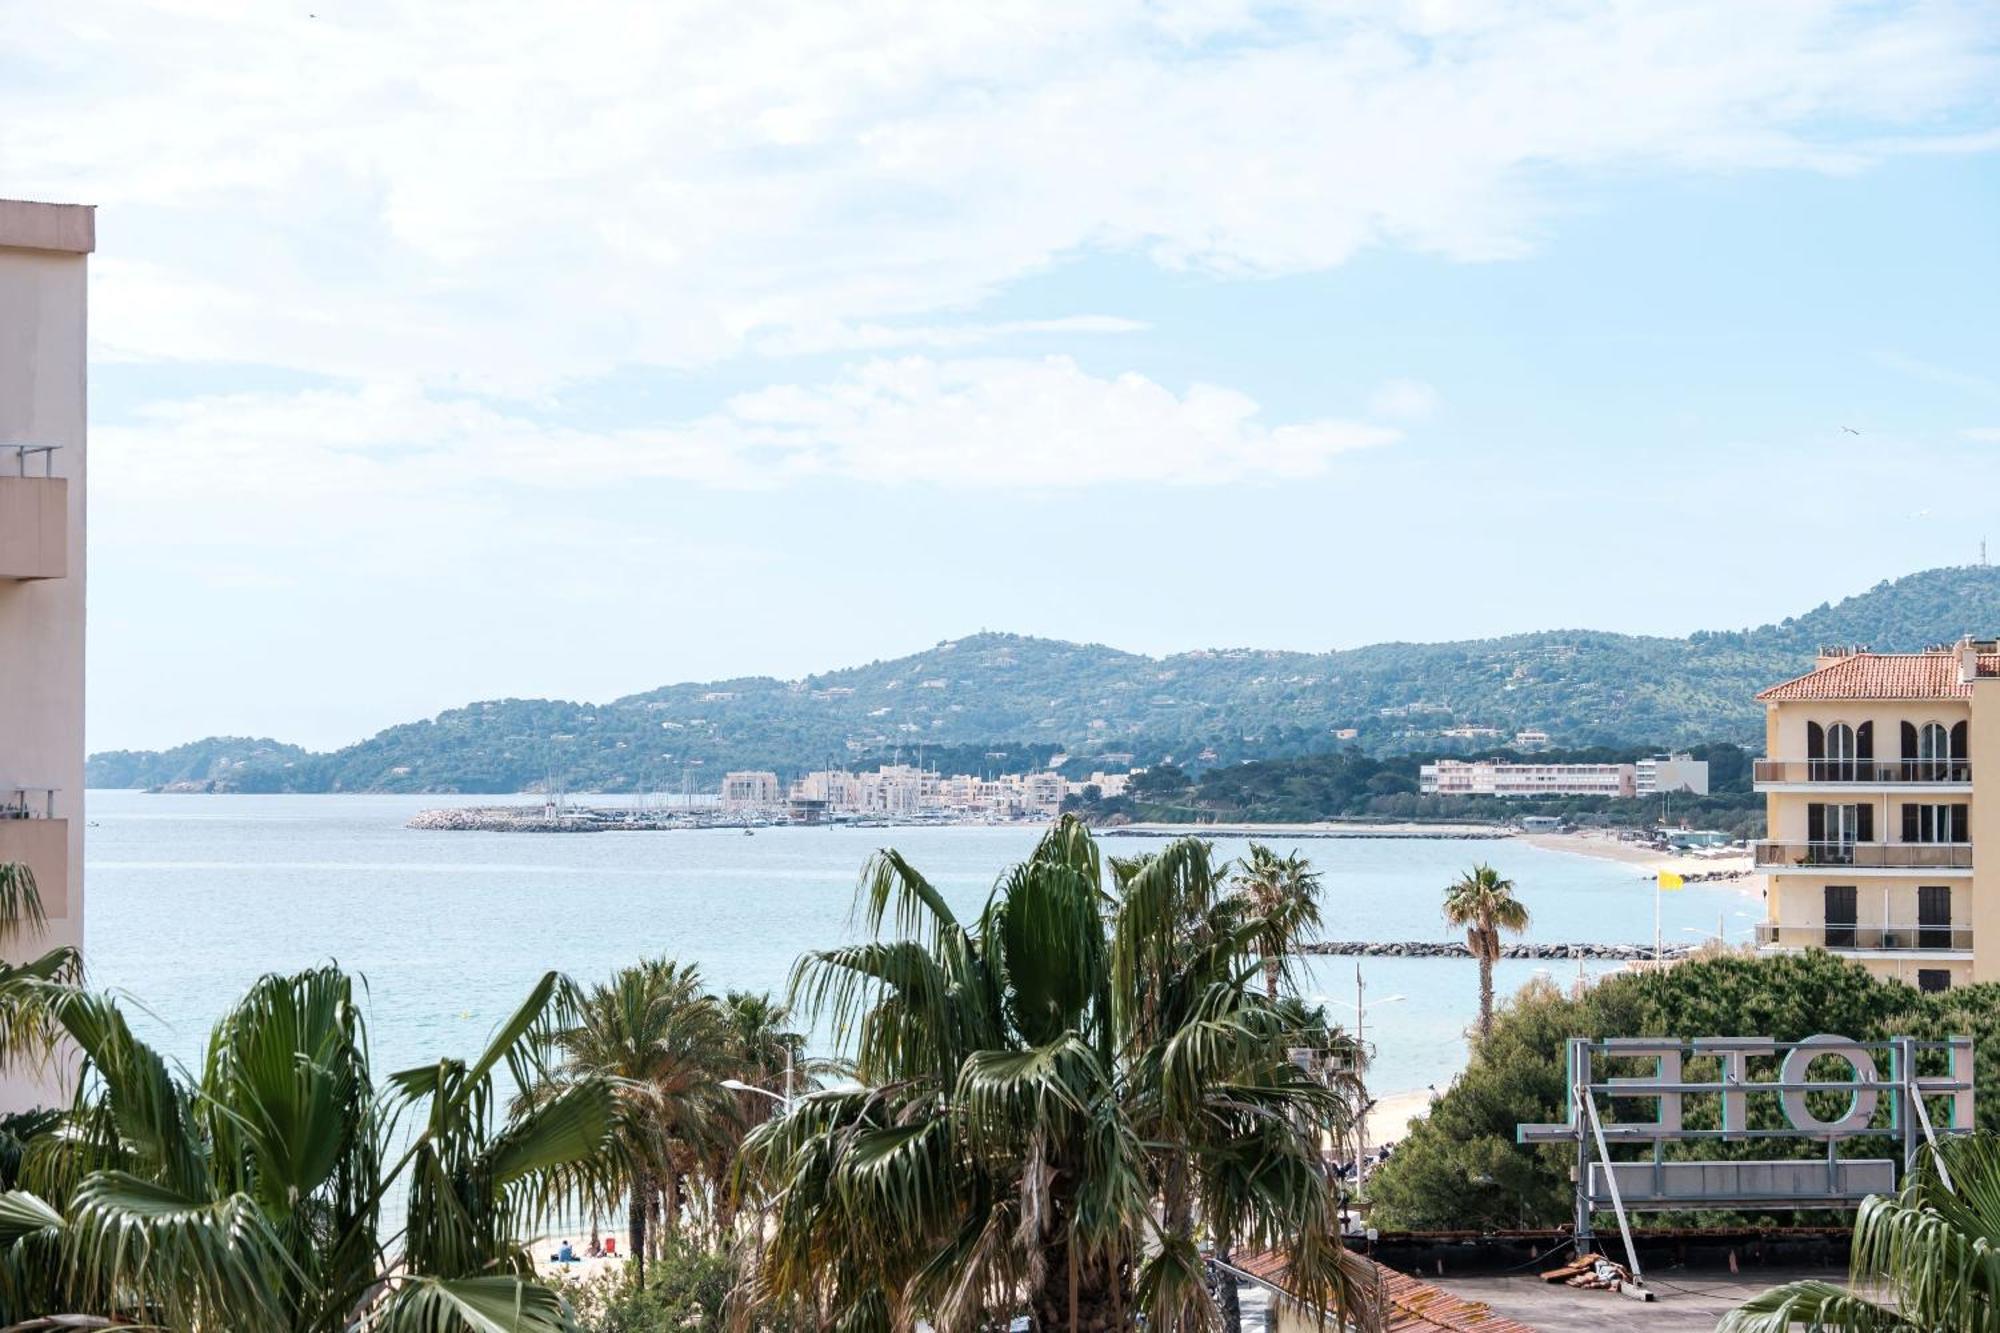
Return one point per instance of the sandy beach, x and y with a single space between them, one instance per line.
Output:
1390 1120
1733 865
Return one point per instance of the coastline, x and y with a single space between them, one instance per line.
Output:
1734 868
1388 1121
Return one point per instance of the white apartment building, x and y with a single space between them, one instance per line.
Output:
750 789
1487 777
1670 773
44 250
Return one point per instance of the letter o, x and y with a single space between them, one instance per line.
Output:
1860 1106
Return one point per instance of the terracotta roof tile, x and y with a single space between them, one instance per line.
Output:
1883 676
1408 1305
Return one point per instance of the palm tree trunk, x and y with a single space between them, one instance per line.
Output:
635 1227
1097 1307
1485 994
670 1208
1271 978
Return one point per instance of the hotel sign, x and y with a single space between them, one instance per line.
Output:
1926 1087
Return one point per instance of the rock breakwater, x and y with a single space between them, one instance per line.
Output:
1617 953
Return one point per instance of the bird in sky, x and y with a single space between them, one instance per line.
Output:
1850 430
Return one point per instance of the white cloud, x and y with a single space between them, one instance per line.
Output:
838 337
377 470
1983 434
1403 400
511 195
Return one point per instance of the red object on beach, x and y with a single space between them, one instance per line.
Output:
611 1247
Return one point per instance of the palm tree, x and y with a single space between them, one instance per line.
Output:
1485 905
1052 1103
253 1197
1929 1247
761 1052
27 1024
1284 890
660 1040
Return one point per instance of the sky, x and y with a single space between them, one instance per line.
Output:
453 351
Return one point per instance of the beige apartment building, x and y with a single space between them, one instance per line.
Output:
1873 824
43 254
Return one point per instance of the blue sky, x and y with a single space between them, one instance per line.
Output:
444 354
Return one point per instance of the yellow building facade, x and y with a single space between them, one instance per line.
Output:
1872 820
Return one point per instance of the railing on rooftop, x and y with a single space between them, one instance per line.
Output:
1899 771
1773 935
23 452
1866 855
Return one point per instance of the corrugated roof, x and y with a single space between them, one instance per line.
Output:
1408 1305
1883 676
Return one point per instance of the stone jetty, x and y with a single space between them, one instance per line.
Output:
1615 953
503 819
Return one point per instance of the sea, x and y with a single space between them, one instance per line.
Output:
191 897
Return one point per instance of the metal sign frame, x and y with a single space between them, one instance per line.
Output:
1713 1184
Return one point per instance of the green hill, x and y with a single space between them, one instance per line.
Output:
1007 702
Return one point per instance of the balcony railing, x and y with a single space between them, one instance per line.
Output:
44 454
1864 938
1867 855
19 802
1898 771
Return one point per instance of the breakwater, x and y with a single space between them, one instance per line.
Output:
1616 953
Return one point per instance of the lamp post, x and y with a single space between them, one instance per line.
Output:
1359 1004
784 1100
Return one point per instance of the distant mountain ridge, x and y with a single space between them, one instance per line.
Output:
1007 702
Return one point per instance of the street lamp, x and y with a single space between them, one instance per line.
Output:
785 1099
1359 1004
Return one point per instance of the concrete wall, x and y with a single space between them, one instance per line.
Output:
43 255
1982 743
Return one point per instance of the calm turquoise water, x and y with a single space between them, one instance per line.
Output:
191 897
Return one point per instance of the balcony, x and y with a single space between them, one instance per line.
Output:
34 514
30 835
1865 939
1864 855
1768 773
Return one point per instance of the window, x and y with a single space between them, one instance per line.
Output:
1931 980
1840 753
1933 751
1840 916
1936 823
1834 829
1934 916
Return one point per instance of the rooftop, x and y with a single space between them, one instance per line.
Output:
1408 1306
1933 674
64 228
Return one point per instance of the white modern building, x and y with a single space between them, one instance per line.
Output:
750 790
1670 773
1487 777
44 252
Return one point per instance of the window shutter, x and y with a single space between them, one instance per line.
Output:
1958 741
1961 825
1816 740
1864 741
1911 833
1864 823
1816 822
1909 740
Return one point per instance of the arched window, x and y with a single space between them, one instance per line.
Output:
1840 752
1933 752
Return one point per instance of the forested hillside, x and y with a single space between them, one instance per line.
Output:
1004 702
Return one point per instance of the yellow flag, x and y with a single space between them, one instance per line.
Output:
1669 880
